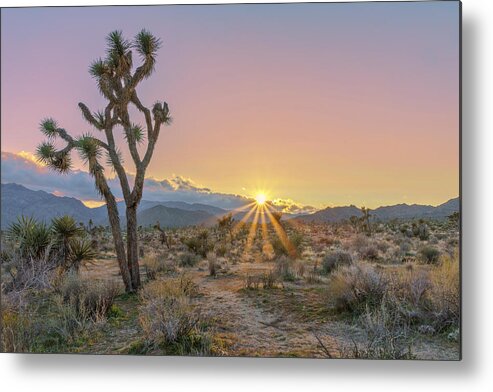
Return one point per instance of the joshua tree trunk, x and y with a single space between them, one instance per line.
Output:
132 246
119 245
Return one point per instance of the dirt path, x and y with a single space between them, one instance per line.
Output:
283 322
265 322
252 328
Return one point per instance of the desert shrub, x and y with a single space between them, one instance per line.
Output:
369 252
429 255
18 334
357 286
284 268
153 264
165 320
221 249
91 300
269 280
334 260
412 287
386 337
167 314
382 246
188 259
300 269
296 240
212 264
26 273
359 242
252 282
421 230
445 293
405 246
291 247
200 244
278 247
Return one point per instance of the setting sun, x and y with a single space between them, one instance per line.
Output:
260 199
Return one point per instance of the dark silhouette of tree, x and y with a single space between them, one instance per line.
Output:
117 80
225 223
162 236
366 219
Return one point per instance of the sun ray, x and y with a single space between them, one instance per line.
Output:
253 231
281 234
241 223
267 246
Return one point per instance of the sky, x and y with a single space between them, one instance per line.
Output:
315 104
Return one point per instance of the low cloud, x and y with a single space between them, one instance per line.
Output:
22 168
288 206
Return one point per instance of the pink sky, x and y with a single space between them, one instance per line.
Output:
327 104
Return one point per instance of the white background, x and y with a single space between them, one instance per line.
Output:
92 373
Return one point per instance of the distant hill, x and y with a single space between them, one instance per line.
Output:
146 204
172 217
18 200
331 214
398 211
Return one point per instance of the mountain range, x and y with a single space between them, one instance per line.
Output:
398 211
18 200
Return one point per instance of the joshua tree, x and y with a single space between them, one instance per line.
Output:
117 80
225 224
366 219
163 237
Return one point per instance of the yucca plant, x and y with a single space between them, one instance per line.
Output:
117 80
33 237
65 230
80 250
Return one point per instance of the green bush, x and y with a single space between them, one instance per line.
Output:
188 260
334 260
430 255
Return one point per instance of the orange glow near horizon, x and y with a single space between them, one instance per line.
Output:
93 203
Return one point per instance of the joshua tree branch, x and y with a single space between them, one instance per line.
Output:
115 159
147 113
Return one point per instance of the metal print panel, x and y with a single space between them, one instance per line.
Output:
267 180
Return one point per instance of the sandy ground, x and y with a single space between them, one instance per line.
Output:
284 321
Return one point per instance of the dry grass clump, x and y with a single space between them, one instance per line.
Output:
90 300
334 260
55 320
18 334
154 264
423 298
285 268
386 337
445 292
169 319
269 280
354 287
188 259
